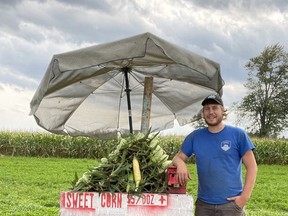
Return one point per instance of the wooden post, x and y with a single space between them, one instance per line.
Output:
146 107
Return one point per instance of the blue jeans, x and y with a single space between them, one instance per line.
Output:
227 209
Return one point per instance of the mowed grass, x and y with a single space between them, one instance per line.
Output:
32 186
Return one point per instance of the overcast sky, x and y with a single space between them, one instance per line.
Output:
229 32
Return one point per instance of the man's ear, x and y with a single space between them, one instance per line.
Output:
225 113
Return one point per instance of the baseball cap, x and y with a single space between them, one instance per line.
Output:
212 98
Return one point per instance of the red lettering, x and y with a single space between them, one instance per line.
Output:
131 199
79 200
109 200
152 199
75 200
68 202
144 199
147 200
91 199
85 204
162 199
80 203
102 199
113 201
86 200
119 200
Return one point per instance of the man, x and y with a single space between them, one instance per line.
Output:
219 150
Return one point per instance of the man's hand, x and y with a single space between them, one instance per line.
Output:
240 201
183 174
182 171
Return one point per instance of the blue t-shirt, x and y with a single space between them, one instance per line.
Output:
219 161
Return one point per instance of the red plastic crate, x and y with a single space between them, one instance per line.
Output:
172 181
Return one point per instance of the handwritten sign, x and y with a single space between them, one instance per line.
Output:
122 204
147 199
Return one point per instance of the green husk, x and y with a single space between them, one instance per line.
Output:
113 173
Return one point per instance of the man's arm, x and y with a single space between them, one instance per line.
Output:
250 178
182 170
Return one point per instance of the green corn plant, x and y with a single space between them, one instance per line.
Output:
115 173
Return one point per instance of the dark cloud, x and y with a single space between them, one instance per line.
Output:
241 4
227 36
89 4
92 21
7 3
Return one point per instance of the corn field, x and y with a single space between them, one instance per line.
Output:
268 150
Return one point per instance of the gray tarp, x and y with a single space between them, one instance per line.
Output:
83 91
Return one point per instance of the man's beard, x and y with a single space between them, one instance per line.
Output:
219 120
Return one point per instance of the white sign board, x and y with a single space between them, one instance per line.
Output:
112 204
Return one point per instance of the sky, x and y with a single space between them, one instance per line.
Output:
229 32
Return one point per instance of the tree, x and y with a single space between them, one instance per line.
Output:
266 102
200 123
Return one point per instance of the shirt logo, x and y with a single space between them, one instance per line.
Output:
226 145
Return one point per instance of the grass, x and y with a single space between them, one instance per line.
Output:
31 186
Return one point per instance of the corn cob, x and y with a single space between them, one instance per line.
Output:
136 172
130 183
112 173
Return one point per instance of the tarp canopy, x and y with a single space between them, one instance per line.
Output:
83 91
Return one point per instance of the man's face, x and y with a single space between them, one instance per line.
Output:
213 114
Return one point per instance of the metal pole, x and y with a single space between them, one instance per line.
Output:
126 70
